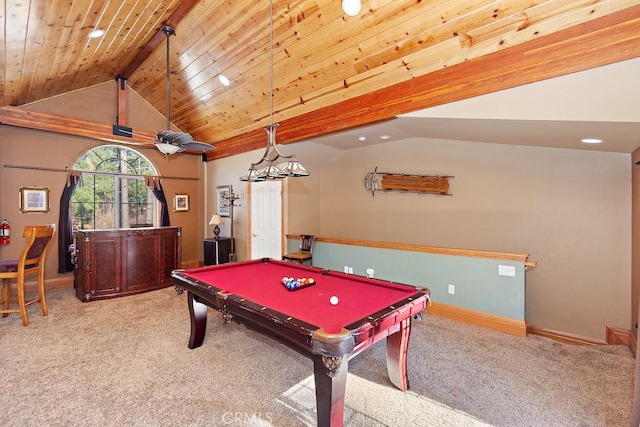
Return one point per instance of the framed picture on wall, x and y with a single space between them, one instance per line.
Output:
223 200
34 199
181 203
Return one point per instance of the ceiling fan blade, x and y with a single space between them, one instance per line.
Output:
175 138
199 146
182 140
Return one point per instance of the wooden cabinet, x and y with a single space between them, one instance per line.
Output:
115 263
216 251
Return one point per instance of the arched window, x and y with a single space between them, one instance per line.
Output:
113 194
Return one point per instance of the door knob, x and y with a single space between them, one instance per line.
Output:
254 235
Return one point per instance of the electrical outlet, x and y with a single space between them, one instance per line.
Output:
350 270
452 289
507 270
346 269
370 272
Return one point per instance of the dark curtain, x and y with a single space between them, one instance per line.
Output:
153 182
65 225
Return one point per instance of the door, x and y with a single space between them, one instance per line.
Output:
265 227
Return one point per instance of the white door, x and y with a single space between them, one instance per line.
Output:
265 227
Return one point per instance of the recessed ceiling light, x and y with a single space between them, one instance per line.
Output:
351 7
385 136
362 138
224 80
591 140
96 33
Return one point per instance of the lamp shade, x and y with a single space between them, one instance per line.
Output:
293 168
252 175
216 220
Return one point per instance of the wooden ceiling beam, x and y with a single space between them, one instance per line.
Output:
122 117
13 116
19 117
602 41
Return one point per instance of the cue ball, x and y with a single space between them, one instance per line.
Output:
333 300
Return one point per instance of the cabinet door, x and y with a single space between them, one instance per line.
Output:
170 255
216 251
140 256
210 252
105 266
224 249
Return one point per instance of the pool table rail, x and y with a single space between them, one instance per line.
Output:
234 307
387 321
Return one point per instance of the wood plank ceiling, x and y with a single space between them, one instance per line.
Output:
331 71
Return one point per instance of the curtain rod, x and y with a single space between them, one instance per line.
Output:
65 170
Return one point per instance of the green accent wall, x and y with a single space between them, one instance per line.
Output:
477 283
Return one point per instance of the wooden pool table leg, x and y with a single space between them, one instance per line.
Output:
198 314
330 392
397 346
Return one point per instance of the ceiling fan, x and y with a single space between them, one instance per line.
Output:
168 141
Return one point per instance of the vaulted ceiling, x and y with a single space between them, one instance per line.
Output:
330 71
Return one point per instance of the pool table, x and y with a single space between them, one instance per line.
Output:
305 319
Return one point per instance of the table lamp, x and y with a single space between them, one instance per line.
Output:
215 220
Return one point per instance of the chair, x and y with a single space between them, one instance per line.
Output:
39 238
305 250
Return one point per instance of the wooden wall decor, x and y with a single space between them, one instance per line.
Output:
387 181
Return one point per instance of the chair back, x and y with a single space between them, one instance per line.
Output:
39 238
306 243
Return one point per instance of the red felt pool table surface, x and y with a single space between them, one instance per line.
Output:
260 282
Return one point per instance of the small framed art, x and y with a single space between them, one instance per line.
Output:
181 203
34 199
224 191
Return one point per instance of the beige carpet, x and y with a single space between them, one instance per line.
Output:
125 362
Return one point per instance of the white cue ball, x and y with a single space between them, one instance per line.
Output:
333 300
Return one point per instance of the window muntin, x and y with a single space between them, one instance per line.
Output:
113 194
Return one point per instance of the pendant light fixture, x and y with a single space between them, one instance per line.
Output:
271 170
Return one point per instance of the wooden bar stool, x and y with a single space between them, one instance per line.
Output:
31 261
